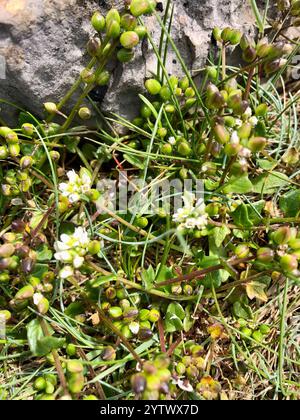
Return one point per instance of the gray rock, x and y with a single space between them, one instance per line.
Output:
42 43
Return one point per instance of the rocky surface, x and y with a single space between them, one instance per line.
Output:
42 43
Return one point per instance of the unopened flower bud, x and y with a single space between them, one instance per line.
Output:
141 7
124 55
85 113
26 162
282 236
50 107
103 78
98 21
265 255
87 76
24 293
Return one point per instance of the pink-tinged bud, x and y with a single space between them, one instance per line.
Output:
25 292
257 144
221 134
289 263
265 255
141 7
282 236
129 40
98 21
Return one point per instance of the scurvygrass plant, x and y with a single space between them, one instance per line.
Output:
183 296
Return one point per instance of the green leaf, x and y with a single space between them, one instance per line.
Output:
134 161
247 215
38 343
173 323
238 185
269 183
40 270
219 234
75 308
95 283
241 310
290 203
148 277
44 253
177 309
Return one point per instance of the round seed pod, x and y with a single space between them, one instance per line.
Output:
7 250
226 34
87 76
153 86
141 31
76 382
289 263
249 54
138 383
242 251
129 39
212 72
103 78
141 7
50 107
98 22
26 162
4 152
265 255
115 312
84 113
261 110
25 292
74 366
141 222
184 149
282 236
166 149
113 29
221 134
14 150
113 15
128 22
94 47
217 34
108 354
154 315
184 83
28 129
146 111
125 56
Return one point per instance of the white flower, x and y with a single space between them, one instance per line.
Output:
193 214
77 185
134 327
248 113
172 141
245 153
37 298
234 140
238 122
253 121
66 272
71 249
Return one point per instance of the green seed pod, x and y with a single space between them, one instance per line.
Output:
43 306
192 372
113 29
162 132
40 384
141 31
12 138
170 109
221 134
257 336
212 209
153 86
7 250
188 290
180 369
184 83
190 92
242 251
26 162
74 366
209 168
235 37
6 315
49 388
282 236
28 129
14 150
244 131
84 113
265 255
87 76
145 324
229 121
165 93
25 292
146 111
115 312
289 263
50 107
265 329
103 78
249 54
125 56
183 174
141 222
217 34
76 382
295 243
98 22
261 110
107 49
154 315
94 247
129 40
226 34
176 289
71 350
257 144
130 314
184 149
108 354
246 331
212 72
113 15
144 314
141 7
128 22
3 152
246 42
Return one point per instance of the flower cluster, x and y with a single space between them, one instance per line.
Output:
77 185
192 215
71 250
